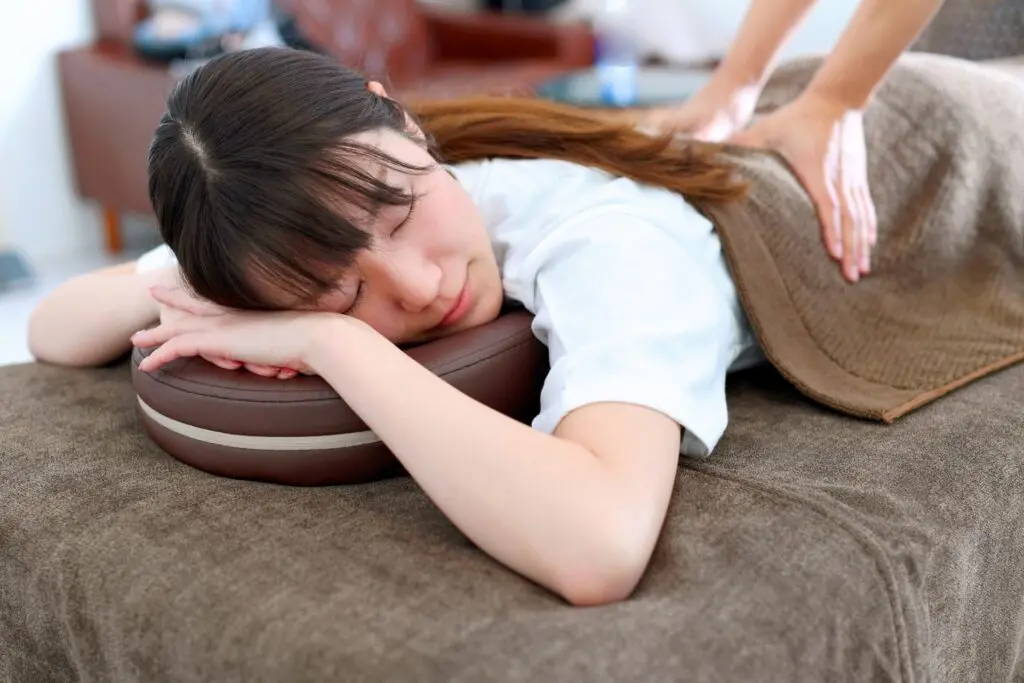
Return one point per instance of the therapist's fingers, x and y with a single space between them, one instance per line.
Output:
826 201
869 228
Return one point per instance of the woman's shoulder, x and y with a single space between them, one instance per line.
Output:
500 171
550 184
541 197
157 257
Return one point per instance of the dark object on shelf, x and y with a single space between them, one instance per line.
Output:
290 32
523 6
180 30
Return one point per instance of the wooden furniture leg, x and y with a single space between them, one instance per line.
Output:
112 221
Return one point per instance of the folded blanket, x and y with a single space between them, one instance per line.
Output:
944 302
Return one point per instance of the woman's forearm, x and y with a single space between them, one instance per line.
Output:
544 506
765 28
878 33
89 319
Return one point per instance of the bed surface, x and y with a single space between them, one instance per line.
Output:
810 547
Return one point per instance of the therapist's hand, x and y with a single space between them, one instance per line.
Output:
824 144
721 107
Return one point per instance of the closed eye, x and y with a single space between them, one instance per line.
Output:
358 298
408 215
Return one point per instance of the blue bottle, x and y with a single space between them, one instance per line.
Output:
617 54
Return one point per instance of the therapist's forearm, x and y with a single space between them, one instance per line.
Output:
878 33
765 28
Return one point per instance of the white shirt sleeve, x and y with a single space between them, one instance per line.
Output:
631 315
157 257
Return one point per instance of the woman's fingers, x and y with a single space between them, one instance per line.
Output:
262 370
178 298
222 362
173 297
271 371
182 346
173 341
156 336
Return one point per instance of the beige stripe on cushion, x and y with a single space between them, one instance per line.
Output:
265 443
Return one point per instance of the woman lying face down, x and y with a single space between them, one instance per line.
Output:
339 213
337 201
318 224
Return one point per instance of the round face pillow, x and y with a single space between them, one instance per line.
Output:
299 431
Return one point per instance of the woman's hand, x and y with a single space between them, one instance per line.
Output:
723 106
824 144
272 344
168 278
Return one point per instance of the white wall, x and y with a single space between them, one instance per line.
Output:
39 212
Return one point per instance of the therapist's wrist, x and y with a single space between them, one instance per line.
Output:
823 105
839 94
742 72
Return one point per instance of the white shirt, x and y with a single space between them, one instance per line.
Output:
628 286
629 289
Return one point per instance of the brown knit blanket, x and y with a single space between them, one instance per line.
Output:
944 303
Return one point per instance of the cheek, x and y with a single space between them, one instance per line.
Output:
454 214
388 321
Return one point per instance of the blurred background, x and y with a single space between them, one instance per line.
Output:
84 81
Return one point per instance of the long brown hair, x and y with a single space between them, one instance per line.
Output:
521 127
254 173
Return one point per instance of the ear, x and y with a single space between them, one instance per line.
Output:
376 88
410 126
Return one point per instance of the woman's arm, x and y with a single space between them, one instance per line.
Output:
576 503
88 320
578 512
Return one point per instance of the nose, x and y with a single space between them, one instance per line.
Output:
415 280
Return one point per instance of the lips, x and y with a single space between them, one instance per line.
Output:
458 309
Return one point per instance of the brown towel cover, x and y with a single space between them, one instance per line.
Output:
944 303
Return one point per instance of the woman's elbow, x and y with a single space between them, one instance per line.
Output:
51 344
606 576
597 591
43 345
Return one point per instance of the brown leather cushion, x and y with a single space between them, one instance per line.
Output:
299 431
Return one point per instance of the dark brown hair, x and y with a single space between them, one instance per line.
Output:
254 176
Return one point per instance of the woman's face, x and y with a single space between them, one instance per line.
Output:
431 270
